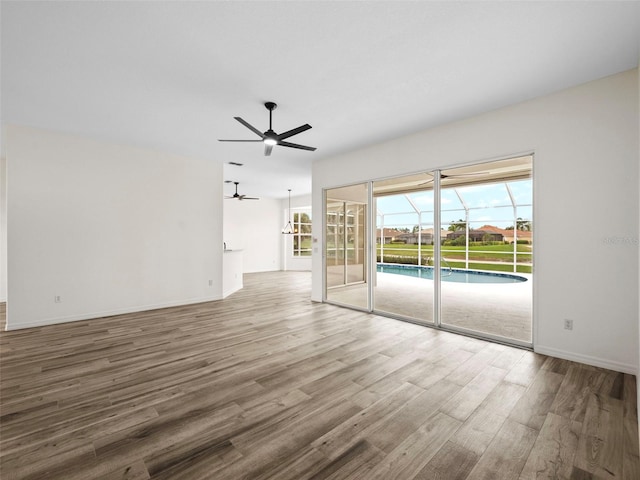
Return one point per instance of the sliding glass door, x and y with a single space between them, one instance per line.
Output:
453 248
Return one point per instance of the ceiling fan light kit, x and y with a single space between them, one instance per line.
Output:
271 138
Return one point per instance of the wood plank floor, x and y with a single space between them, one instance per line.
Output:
268 385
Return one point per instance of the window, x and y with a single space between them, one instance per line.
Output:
302 232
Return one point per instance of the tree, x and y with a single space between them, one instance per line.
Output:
304 220
416 229
459 225
521 224
524 225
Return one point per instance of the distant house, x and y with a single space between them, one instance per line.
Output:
490 233
427 236
408 238
477 235
388 234
508 235
520 235
486 233
424 238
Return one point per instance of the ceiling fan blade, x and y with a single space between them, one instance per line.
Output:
428 181
295 145
465 175
443 176
220 140
251 198
267 149
293 132
250 127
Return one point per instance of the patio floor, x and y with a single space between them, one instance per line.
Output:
502 309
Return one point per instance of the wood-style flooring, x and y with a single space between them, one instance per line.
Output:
268 385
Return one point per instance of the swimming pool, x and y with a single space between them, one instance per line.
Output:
451 274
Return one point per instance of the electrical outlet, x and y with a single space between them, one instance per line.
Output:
211 283
568 324
57 299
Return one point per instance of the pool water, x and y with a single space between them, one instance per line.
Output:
451 274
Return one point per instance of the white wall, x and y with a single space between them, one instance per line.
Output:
289 261
638 237
585 141
254 226
108 228
3 227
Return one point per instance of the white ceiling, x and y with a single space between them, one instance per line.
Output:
172 75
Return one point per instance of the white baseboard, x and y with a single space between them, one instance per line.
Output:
108 313
587 359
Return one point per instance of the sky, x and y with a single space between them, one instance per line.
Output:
488 204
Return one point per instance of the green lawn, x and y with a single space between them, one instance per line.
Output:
503 247
478 254
481 257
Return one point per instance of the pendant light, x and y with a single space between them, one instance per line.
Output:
288 228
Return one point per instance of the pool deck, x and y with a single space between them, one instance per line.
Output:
502 309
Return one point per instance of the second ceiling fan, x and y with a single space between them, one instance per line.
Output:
237 195
271 138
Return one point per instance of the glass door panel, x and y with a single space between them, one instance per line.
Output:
345 246
403 273
486 253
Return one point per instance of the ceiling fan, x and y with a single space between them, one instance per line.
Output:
241 197
271 138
